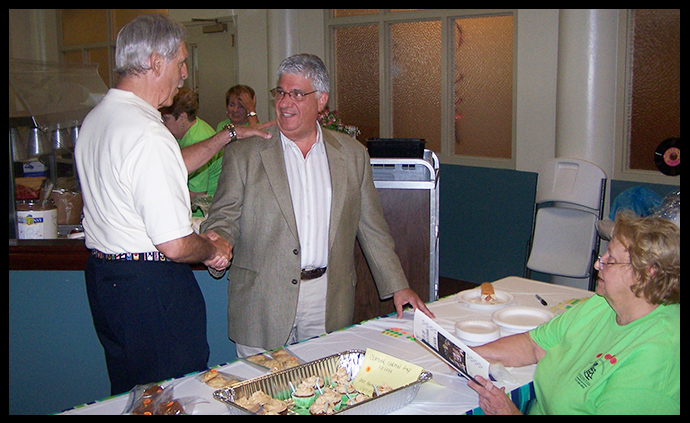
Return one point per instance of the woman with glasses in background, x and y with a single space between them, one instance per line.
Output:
619 351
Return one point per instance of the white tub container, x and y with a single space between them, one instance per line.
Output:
35 221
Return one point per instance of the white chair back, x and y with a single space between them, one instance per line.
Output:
570 180
568 205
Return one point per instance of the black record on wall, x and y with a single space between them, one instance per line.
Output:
667 157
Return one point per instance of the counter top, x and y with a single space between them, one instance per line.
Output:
53 254
48 254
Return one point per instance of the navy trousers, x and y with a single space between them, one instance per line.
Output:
150 318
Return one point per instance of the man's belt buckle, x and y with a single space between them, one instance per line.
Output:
309 274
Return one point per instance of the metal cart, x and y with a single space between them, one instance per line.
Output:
404 179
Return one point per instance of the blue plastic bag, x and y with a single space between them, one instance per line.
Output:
642 201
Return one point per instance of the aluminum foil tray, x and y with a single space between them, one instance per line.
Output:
277 385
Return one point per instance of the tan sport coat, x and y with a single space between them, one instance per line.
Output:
252 209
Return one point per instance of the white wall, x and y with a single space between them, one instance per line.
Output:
537 63
264 38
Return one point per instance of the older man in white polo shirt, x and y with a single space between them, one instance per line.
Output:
147 307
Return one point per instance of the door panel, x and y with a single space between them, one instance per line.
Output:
212 65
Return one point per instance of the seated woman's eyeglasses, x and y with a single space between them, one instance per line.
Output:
295 95
608 264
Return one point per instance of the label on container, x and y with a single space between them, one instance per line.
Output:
37 224
35 168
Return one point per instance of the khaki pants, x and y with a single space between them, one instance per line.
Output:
310 320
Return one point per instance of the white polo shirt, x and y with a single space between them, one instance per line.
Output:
133 177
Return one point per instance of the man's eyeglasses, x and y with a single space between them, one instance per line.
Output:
295 95
608 264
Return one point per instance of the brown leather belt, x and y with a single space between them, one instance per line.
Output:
309 274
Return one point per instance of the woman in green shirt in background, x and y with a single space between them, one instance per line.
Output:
240 104
619 351
181 119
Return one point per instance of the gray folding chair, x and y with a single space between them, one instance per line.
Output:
568 204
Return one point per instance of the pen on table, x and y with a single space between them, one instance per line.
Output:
541 300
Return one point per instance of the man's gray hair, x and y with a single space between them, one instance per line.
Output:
308 66
145 35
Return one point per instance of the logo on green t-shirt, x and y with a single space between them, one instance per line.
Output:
595 370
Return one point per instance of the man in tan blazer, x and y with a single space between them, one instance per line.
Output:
254 210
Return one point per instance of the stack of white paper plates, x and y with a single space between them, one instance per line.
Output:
520 319
476 332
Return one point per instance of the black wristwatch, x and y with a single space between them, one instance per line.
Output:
231 131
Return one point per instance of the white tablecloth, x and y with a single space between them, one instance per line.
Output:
447 393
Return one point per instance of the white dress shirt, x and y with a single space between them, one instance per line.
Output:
310 187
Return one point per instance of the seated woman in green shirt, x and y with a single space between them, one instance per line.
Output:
181 119
619 351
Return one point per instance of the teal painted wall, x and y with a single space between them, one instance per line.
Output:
56 360
485 222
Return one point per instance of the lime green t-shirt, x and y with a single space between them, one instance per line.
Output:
222 124
199 180
594 366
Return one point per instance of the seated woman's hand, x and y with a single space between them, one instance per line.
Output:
493 400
